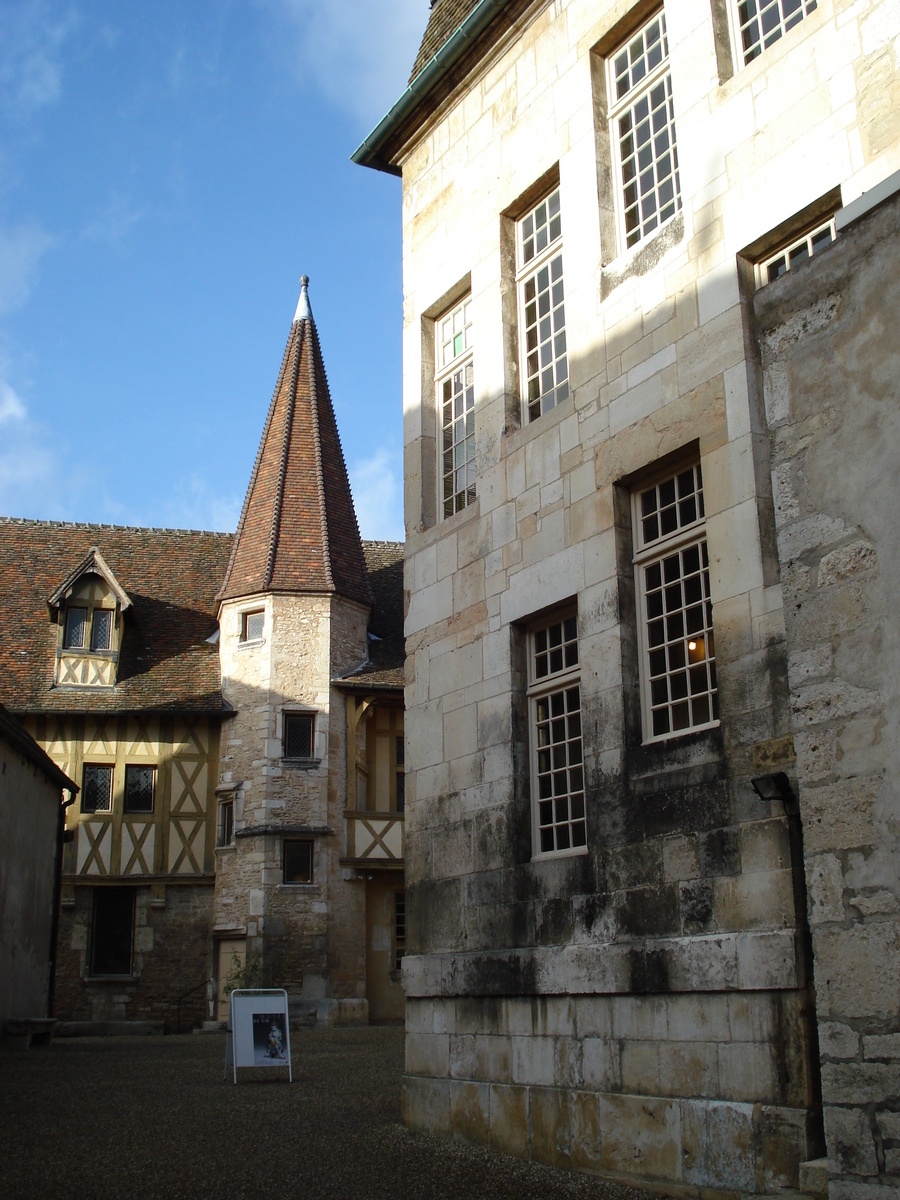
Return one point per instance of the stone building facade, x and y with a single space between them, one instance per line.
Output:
196 687
612 693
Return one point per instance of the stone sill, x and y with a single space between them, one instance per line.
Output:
254 645
302 764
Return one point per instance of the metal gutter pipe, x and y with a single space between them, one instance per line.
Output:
370 153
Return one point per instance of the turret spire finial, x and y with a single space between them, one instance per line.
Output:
304 312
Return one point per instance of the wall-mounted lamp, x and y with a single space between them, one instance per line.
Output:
773 787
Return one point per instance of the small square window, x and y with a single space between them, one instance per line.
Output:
225 832
96 795
795 252
252 625
297 860
298 735
139 788
76 623
101 629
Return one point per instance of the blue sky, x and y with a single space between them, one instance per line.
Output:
167 173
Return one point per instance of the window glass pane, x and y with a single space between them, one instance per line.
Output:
298 735
252 624
139 783
76 620
101 629
297 861
97 793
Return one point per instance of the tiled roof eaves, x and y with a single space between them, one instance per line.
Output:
465 46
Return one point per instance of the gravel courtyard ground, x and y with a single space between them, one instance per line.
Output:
151 1119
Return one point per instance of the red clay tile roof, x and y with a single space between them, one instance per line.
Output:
298 531
171 575
445 18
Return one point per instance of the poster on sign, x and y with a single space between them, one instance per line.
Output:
259 1034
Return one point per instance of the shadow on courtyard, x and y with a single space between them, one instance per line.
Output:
151 1118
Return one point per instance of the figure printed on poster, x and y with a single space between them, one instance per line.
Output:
269 1040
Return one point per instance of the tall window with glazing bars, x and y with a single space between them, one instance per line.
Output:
542 312
455 380
678 656
642 132
761 23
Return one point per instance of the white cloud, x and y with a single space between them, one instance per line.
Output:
20 254
116 221
358 53
32 34
29 479
11 407
195 505
377 486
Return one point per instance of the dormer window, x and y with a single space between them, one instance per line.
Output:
90 605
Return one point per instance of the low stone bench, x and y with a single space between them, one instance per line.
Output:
29 1031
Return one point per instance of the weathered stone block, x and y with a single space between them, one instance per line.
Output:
640 1136
718 1145
851 1146
551 1129
509 1119
470 1111
688 1069
425 1104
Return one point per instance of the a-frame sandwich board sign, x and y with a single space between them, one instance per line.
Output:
259 1032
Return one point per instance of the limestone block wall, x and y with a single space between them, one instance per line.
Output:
686 890
311 937
831 362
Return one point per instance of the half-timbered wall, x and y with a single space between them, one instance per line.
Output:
168 854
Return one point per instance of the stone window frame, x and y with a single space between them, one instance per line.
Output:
537 399
753 260
309 844
96 766
555 738
453 366
749 42
299 714
225 824
130 769
653 552
245 615
621 106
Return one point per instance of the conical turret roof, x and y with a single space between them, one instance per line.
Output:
298 530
